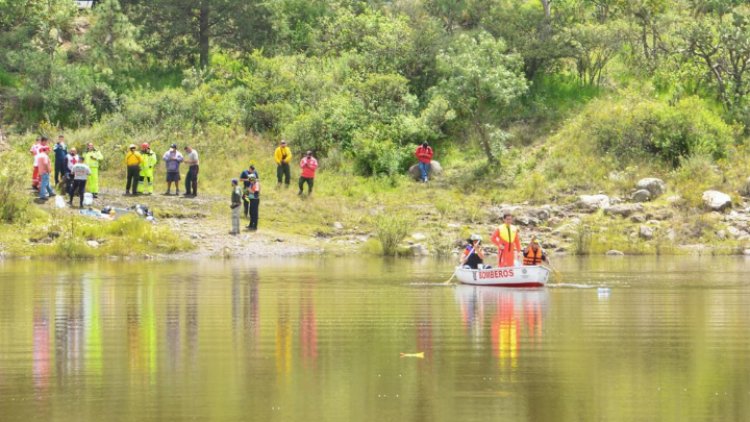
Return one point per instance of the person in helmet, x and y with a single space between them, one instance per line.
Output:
473 254
146 179
93 158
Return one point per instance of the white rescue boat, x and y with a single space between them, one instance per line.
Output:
519 276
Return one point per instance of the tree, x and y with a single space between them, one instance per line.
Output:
480 79
111 40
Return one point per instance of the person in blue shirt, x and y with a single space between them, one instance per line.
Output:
61 159
245 179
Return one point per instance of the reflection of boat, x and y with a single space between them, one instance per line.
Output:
485 297
526 276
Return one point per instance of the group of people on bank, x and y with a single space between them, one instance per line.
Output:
508 242
248 194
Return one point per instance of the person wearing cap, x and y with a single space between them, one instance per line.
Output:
80 174
191 178
92 157
473 254
245 179
283 156
308 164
44 168
70 160
252 193
133 160
61 153
534 254
172 160
146 182
424 155
235 198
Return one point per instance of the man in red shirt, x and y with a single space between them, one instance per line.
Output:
308 164
424 155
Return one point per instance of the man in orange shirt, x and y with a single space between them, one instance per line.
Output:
508 242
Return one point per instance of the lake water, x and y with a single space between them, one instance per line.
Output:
631 339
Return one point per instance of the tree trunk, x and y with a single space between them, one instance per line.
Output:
203 34
546 4
484 139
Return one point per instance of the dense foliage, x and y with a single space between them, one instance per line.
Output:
367 80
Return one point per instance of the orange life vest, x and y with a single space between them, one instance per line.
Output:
532 258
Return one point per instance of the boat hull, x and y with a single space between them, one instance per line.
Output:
525 276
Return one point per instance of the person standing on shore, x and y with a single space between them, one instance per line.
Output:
424 154
245 179
61 153
191 178
80 174
34 151
508 242
92 157
70 160
133 162
236 198
283 156
172 160
146 185
308 164
44 168
253 197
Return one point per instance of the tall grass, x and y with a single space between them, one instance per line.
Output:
391 229
14 180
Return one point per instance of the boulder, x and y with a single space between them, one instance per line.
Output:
656 187
338 226
716 201
92 244
641 195
638 219
624 210
419 250
646 233
745 190
746 252
593 203
418 236
542 213
435 170
527 221
721 235
614 252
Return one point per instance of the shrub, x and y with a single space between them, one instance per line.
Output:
14 176
391 229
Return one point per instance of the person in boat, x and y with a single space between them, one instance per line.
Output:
534 254
508 242
473 254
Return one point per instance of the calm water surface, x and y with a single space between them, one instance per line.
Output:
635 339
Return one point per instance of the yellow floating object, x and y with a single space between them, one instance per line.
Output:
419 355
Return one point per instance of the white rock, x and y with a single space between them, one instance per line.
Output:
721 235
646 232
338 226
716 201
746 252
418 236
734 231
593 202
614 252
92 243
655 186
624 210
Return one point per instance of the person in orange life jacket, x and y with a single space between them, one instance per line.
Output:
308 164
473 254
533 254
508 242
252 193
424 155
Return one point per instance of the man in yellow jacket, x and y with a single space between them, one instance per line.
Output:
133 162
283 156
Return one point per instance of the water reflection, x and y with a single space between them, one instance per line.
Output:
516 319
308 325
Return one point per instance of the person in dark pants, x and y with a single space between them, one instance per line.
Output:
308 164
253 197
80 174
133 161
61 159
245 179
191 179
283 156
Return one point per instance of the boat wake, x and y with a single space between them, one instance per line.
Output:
571 286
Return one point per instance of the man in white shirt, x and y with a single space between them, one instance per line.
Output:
191 179
80 173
